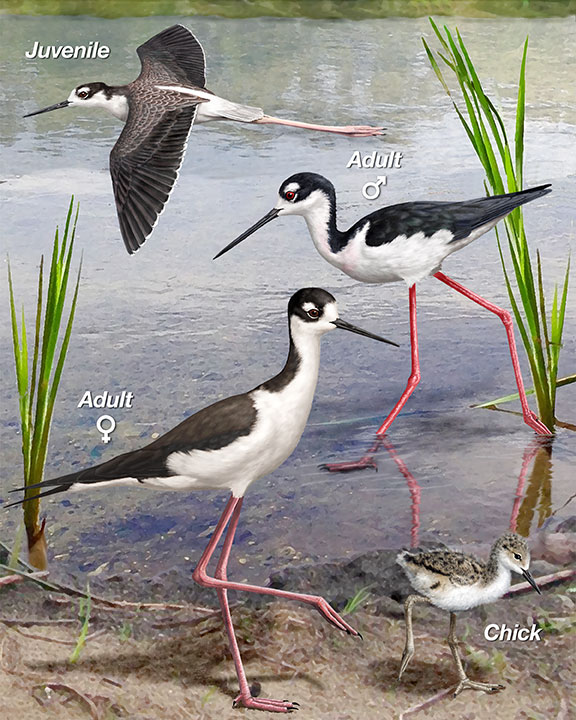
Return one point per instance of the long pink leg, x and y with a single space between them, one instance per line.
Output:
202 578
530 418
245 697
413 380
221 584
350 130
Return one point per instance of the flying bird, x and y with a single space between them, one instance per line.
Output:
159 108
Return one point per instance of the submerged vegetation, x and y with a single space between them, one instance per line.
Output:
540 325
38 373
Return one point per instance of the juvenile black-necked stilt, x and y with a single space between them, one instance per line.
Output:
159 108
455 582
229 445
401 242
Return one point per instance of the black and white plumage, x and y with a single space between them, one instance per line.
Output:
229 445
237 440
406 242
159 108
456 582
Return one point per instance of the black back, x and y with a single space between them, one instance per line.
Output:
459 218
211 428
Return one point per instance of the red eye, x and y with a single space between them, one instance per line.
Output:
313 312
83 94
289 195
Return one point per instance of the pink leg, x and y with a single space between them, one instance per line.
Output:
350 130
202 578
413 380
222 584
530 418
244 698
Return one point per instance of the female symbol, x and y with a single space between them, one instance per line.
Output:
105 432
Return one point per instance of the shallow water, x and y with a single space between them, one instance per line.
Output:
180 331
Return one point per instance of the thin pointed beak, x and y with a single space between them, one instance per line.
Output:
343 325
531 580
266 219
59 105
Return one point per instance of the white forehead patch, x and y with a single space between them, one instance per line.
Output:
308 306
330 312
294 186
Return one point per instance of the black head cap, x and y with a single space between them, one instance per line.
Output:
307 299
302 184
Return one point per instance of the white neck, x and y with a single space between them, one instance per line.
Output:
118 106
303 385
498 585
318 220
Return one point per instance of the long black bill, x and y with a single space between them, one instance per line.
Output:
59 105
266 219
343 325
531 580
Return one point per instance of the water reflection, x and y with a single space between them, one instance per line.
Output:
536 471
413 487
538 495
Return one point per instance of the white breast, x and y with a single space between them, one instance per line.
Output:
464 597
282 417
409 258
405 258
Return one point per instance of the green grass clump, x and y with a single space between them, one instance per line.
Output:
357 600
38 376
84 610
540 327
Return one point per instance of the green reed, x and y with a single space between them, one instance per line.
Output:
38 372
540 326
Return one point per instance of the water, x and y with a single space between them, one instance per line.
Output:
180 331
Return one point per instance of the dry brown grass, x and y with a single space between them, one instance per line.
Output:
186 672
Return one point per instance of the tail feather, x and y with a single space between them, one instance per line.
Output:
482 211
59 489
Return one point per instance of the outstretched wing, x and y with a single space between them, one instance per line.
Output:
174 55
144 165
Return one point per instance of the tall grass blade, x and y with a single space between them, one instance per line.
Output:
541 331
38 385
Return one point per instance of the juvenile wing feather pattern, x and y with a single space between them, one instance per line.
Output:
144 165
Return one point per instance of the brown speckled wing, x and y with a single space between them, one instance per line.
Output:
144 165
174 55
460 569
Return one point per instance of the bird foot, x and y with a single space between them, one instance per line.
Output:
328 613
254 703
406 657
365 462
467 684
361 130
532 420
